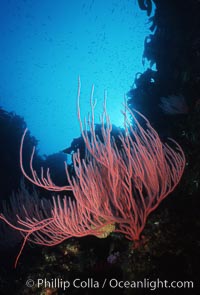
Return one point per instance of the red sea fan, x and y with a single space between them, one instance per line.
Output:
115 188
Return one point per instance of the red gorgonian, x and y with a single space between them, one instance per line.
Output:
115 187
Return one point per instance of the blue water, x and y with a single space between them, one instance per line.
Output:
45 45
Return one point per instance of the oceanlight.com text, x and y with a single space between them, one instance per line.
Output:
112 283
